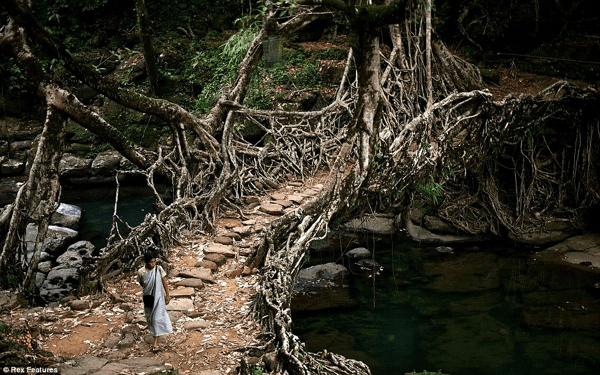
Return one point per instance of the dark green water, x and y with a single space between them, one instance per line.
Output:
485 310
97 205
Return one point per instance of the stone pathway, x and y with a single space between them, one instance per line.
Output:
211 293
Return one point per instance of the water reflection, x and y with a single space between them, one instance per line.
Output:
475 311
97 206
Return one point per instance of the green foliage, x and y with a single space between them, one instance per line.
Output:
431 190
234 50
439 372
257 370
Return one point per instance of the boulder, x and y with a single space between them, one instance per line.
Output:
45 267
358 253
12 167
79 305
67 216
73 257
57 238
106 163
327 271
371 224
271 209
73 166
420 234
59 283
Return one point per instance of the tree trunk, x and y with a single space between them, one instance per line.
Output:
144 31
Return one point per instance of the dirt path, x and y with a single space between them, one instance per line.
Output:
211 295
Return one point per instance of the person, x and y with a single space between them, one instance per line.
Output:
155 297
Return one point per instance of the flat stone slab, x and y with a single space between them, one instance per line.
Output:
284 203
224 240
218 259
183 292
180 304
203 274
278 197
295 198
244 231
217 248
271 208
196 324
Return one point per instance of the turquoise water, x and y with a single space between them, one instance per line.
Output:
486 310
97 205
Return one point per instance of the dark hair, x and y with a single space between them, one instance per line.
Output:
149 256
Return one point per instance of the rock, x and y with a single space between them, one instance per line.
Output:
45 267
194 283
540 238
284 203
295 198
67 216
12 167
249 222
73 257
251 199
358 253
247 271
106 163
271 209
438 225
79 305
560 266
207 264
127 342
328 271
200 273
57 238
223 240
215 248
59 283
216 258
180 304
278 197
132 329
233 236
244 231
368 263
234 272
111 342
371 224
183 292
444 249
84 365
71 166
420 234
196 324
39 279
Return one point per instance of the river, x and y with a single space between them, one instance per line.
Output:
479 310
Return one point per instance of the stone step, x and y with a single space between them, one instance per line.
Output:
217 248
203 274
193 283
183 292
180 304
